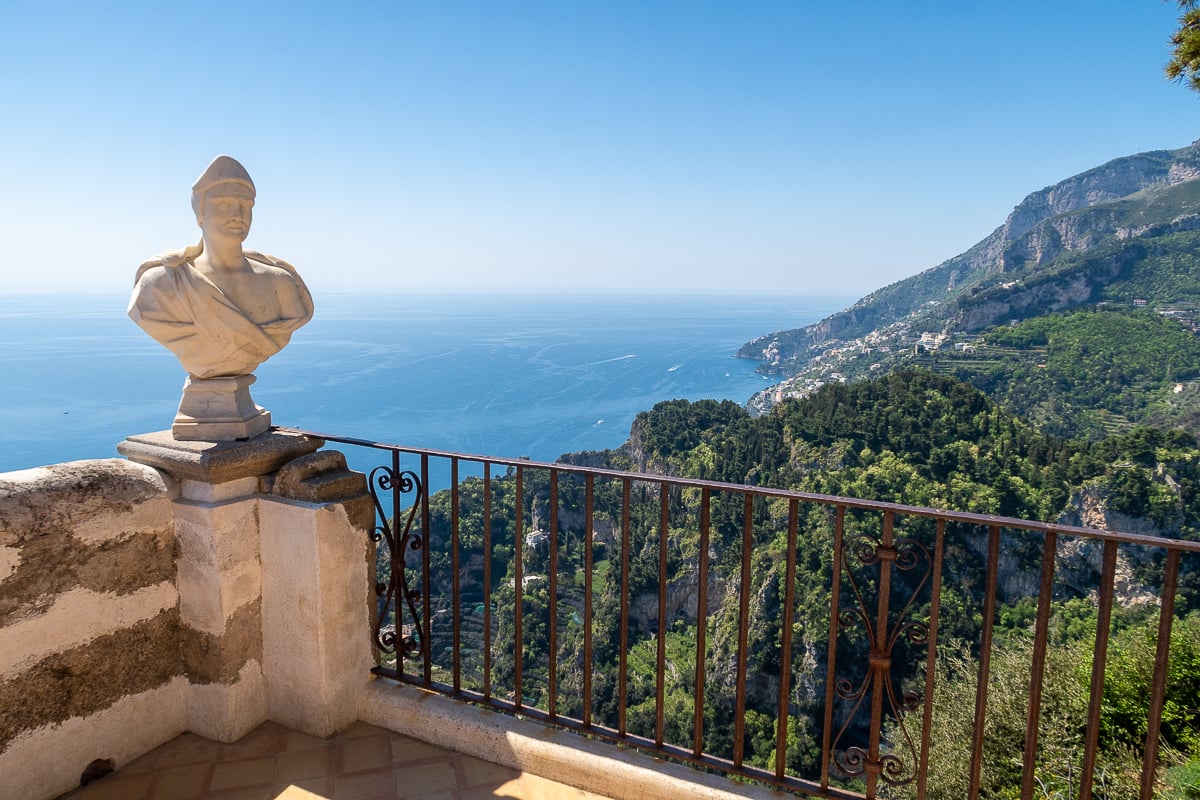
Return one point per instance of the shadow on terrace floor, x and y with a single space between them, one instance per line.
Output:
362 762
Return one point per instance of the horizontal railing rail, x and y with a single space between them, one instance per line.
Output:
816 643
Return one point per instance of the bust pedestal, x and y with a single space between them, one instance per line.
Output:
219 410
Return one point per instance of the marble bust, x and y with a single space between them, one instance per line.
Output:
220 309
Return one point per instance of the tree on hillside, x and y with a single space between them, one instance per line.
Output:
1185 54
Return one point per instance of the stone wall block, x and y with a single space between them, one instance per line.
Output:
221 534
209 597
151 516
316 634
346 619
228 711
205 492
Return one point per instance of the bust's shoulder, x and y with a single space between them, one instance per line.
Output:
159 268
154 273
270 261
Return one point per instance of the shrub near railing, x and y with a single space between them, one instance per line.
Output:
707 622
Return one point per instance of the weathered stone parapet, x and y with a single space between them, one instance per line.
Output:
95 500
89 620
102 526
80 616
44 762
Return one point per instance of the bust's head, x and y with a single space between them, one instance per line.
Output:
223 197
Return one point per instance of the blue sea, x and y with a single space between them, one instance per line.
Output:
503 375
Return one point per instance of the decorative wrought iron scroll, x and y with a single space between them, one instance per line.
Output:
899 765
398 625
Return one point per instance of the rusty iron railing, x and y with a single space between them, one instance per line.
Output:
458 534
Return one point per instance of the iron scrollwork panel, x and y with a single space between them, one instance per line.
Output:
399 628
882 559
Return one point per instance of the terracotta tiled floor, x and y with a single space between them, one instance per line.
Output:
361 763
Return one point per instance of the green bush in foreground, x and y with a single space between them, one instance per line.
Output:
1062 725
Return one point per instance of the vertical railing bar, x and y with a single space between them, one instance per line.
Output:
455 589
785 644
1038 665
835 599
487 579
376 535
426 583
1108 571
519 590
739 725
1166 616
701 624
589 525
661 650
397 563
935 601
623 658
552 678
985 658
880 656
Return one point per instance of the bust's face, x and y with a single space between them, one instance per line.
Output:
227 211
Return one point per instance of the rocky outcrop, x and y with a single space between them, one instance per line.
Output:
682 597
1064 293
1080 560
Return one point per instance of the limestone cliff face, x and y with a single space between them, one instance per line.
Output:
1079 565
1112 181
1073 216
682 596
1059 295
1044 224
1079 560
1082 231
1048 222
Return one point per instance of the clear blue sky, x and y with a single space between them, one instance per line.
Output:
801 146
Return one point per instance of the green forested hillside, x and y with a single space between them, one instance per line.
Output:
910 437
1086 374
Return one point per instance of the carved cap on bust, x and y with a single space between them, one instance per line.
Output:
223 169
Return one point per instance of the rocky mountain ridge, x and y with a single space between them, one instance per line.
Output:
1036 262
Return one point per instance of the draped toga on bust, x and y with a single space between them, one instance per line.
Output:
210 335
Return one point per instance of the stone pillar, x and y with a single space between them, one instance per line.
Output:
273 580
220 607
316 626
